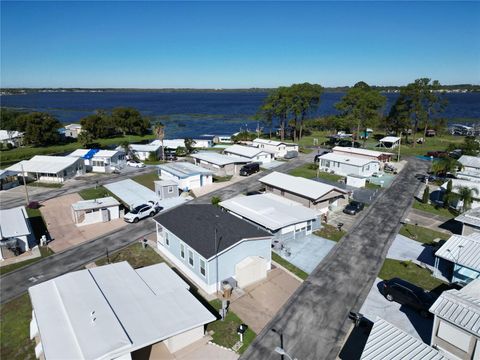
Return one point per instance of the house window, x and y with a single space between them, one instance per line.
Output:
282 192
182 251
167 241
309 226
190 257
202 267
170 189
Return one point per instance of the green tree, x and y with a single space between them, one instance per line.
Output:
448 196
159 131
422 102
466 195
99 125
129 121
40 129
302 100
445 165
85 138
277 104
426 195
216 200
189 145
398 119
362 106
8 118
470 146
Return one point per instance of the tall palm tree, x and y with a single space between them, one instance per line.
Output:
465 194
159 131
445 165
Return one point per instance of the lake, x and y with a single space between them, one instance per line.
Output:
188 114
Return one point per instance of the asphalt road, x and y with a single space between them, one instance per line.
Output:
16 196
315 320
17 282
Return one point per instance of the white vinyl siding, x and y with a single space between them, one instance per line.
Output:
182 251
203 270
453 335
190 258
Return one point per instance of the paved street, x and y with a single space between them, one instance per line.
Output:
314 321
17 282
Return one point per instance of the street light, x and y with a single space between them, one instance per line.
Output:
280 333
282 352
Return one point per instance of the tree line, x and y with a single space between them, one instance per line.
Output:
361 107
42 129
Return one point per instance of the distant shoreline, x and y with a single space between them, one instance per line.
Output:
460 88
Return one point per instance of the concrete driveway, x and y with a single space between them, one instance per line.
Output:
401 316
261 301
307 252
57 214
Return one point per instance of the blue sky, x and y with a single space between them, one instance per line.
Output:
236 45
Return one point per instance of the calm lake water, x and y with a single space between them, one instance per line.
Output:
188 114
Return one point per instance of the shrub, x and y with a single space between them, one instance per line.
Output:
426 195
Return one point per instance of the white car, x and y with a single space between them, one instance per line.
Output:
136 164
141 212
377 174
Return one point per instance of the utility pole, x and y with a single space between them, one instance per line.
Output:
25 185
399 146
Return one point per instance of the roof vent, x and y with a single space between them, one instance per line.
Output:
92 317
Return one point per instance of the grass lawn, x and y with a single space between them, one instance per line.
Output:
46 185
225 332
94 193
372 186
330 232
9 157
44 251
410 272
15 319
300 273
135 254
447 213
147 179
421 234
309 171
221 178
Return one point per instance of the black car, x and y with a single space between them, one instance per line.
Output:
353 208
348 143
317 157
405 293
249 169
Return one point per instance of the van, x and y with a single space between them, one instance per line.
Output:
249 169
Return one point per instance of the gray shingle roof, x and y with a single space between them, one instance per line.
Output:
195 225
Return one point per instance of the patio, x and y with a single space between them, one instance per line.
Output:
307 252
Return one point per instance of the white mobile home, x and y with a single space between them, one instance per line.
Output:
11 138
348 165
50 169
222 165
103 161
279 148
101 210
186 175
144 151
470 168
250 153
470 221
73 130
15 230
363 153
459 183
8 179
115 312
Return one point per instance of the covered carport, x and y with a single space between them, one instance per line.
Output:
131 193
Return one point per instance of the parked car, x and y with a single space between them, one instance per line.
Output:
430 133
137 164
455 154
389 168
377 174
323 152
348 143
249 169
142 211
353 208
291 154
405 293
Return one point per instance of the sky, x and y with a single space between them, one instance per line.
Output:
237 44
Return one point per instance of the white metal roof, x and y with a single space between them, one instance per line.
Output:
183 169
152 147
461 307
271 211
347 159
462 250
387 342
79 152
458 183
245 151
364 152
470 217
45 164
272 142
131 192
299 185
219 159
95 203
106 153
13 222
165 182
9 135
172 143
73 126
132 309
392 139
470 161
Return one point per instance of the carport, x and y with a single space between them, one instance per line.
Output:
131 193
